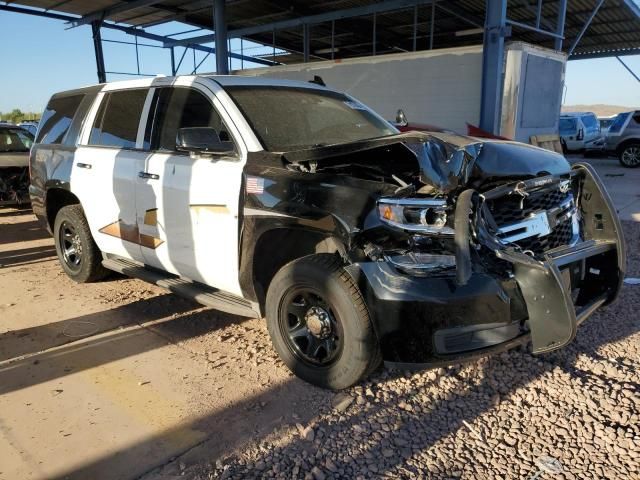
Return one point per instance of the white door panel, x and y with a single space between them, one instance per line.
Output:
196 219
187 204
103 181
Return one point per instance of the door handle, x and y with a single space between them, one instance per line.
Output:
151 176
84 165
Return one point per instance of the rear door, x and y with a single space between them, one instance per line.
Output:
189 204
104 171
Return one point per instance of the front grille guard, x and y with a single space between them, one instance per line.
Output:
553 317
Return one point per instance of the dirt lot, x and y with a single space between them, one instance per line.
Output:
120 380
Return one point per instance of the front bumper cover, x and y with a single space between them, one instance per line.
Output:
440 320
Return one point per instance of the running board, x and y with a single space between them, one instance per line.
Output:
210 297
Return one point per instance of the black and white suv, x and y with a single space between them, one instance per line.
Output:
358 243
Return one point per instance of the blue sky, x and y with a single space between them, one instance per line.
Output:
40 57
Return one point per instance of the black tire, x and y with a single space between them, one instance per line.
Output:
319 283
629 155
71 233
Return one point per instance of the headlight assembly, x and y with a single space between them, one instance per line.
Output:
420 215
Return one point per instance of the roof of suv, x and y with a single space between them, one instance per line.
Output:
223 80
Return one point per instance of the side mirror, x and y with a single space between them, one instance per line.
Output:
203 140
401 118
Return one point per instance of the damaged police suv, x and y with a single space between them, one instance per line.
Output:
359 244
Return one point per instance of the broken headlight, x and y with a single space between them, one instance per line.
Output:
420 215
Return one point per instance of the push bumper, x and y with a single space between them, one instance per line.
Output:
433 321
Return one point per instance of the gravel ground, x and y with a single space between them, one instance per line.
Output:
491 419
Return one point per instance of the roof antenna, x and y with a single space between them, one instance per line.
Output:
317 79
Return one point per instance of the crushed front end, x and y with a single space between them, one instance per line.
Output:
472 271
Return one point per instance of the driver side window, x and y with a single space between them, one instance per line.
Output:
177 108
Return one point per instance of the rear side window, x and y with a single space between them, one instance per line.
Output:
57 119
116 124
182 108
617 124
568 126
590 121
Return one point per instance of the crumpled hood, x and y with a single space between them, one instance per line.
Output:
449 161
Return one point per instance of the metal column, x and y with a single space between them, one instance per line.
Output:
306 42
173 61
220 26
562 14
97 46
492 63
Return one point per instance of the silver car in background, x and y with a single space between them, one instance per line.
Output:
580 131
623 138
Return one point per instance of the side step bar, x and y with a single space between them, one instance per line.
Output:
210 297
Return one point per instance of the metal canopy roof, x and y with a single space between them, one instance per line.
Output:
615 29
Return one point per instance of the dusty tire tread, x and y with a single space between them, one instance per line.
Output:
333 266
92 270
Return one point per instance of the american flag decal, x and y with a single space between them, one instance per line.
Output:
255 184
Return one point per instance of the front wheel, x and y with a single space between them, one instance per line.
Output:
319 323
77 251
629 156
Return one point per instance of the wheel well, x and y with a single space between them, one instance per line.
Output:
626 143
56 199
278 247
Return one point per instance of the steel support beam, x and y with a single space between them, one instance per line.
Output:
128 30
173 62
492 62
220 26
105 13
306 42
97 47
562 16
585 27
606 54
386 6
628 69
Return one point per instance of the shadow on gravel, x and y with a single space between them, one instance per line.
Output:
26 256
17 212
22 232
95 339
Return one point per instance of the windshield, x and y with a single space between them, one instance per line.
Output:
290 118
568 126
15 140
617 124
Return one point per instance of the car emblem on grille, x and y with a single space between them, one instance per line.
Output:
565 186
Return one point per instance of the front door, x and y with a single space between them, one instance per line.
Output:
104 171
189 203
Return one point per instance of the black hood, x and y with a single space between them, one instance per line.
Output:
448 161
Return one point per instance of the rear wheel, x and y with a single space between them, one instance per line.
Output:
319 323
629 155
78 253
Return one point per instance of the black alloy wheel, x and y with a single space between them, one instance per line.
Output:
319 322
70 246
313 333
79 256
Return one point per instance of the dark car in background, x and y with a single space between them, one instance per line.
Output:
15 143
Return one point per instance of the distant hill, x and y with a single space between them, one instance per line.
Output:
599 109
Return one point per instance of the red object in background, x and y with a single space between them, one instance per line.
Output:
474 131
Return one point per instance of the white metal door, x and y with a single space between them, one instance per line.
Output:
104 171
190 205
103 179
